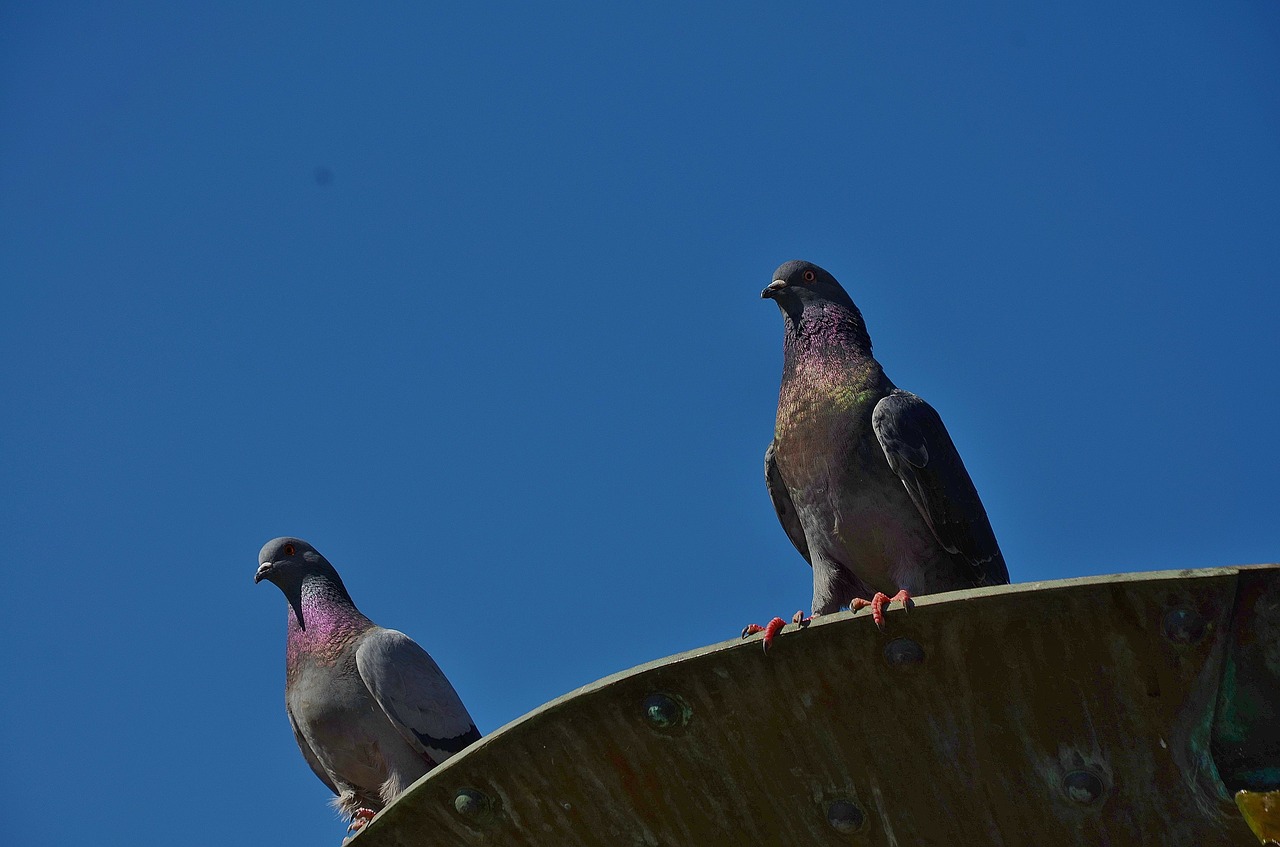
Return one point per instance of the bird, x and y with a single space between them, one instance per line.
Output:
864 477
371 711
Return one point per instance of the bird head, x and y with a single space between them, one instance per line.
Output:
800 283
286 561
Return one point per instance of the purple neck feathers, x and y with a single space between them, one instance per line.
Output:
825 332
322 618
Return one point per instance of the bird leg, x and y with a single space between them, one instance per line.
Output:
772 628
879 602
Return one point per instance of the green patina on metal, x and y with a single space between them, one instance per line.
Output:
1246 732
1065 714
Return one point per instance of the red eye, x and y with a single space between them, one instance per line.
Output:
288 550
810 276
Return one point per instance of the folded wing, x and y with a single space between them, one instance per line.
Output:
921 453
414 693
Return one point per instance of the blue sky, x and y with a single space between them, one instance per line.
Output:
469 299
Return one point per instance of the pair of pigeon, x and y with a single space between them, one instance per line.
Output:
866 483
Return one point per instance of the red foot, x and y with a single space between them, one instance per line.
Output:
360 819
772 628
879 602
770 631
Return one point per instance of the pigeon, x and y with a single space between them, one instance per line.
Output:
864 477
370 710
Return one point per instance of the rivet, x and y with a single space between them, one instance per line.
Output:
903 651
665 711
471 804
845 817
1184 626
1083 787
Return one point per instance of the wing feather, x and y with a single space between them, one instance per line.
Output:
415 694
921 453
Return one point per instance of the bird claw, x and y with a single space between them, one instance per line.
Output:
880 602
772 628
360 819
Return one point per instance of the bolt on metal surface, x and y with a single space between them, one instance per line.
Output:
1083 787
903 651
845 817
472 804
666 711
1184 626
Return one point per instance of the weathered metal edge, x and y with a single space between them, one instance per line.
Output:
441 771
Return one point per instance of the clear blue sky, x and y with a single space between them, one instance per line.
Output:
469 299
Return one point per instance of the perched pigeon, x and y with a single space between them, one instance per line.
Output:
370 710
863 475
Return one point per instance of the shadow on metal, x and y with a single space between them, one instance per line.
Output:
1076 712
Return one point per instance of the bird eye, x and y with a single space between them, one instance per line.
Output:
810 276
289 550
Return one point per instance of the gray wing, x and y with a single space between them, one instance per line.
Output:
414 693
782 504
921 453
309 754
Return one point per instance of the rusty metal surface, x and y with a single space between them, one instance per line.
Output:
1075 712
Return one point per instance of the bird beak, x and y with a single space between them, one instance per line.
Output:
771 290
264 571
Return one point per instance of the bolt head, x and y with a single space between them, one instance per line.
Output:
471 804
665 711
1083 787
1184 626
845 817
903 651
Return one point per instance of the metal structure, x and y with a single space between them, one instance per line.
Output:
1123 710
